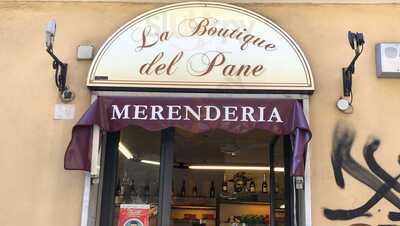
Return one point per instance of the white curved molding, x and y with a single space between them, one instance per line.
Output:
227 1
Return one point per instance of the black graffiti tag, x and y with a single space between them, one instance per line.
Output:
376 177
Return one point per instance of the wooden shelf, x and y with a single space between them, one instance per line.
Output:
244 202
193 207
244 197
194 201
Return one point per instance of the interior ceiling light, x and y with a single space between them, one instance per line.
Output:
125 151
150 162
220 167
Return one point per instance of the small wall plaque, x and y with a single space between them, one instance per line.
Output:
64 111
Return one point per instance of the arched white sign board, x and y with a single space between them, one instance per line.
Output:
201 45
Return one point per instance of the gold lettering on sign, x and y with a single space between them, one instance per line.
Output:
203 27
158 68
201 63
212 62
146 42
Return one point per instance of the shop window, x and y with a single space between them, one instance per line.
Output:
221 179
136 165
207 179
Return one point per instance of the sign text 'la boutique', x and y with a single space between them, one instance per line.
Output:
198 27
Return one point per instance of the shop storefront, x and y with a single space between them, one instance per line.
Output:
193 167
199 108
210 114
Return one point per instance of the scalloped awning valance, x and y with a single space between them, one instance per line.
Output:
275 116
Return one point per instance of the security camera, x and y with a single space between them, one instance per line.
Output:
50 33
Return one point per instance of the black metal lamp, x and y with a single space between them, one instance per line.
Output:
356 41
60 76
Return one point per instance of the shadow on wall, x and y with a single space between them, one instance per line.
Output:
375 177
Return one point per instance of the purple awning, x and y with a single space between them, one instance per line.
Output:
276 116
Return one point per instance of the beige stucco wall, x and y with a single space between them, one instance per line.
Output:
36 191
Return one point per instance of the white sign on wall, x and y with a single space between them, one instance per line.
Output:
64 111
201 46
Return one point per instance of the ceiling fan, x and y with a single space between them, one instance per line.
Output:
231 148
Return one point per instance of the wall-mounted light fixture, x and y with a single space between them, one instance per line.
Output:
60 68
344 103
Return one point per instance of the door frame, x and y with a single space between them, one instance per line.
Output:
92 181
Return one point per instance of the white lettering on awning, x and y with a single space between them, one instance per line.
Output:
198 113
118 113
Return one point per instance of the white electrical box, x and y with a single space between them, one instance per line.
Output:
387 57
85 52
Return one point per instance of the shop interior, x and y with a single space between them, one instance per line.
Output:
218 178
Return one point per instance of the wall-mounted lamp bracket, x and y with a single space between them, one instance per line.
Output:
60 77
347 82
344 103
60 74
347 74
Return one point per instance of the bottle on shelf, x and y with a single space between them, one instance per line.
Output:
276 189
183 189
125 187
172 189
132 191
147 193
252 186
123 184
225 185
117 199
264 188
246 188
212 190
194 191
